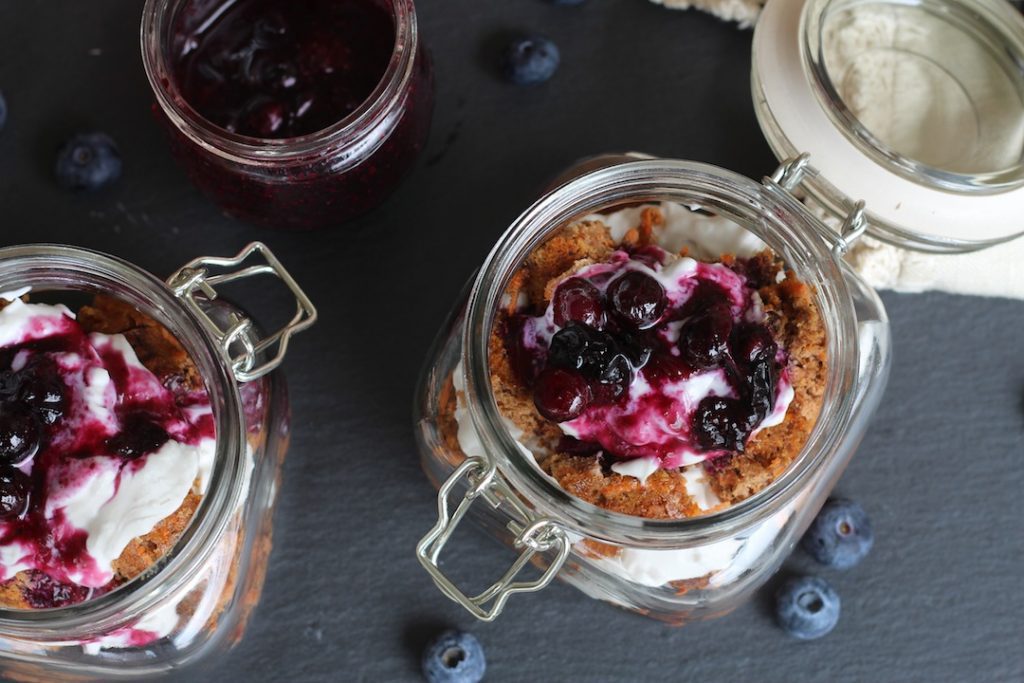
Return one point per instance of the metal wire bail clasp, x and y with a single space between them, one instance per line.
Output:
533 535
791 173
194 285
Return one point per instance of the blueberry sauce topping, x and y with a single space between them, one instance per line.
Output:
80 417
650 355
284 69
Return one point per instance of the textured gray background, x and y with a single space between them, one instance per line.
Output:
941 470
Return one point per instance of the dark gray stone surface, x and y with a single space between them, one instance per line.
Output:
940 471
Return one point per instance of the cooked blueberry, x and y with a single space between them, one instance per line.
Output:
760 390
569 347
454 657
704 338
264 119
666 367
88 161
577 300
751 342
807 607
840 536
3 110
45 394
43 592
15 487
20 433
139 436
639 299
597 355
561 395
721 423
529 60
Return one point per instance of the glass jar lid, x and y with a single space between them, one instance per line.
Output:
915 107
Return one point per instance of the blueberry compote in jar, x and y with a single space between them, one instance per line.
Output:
142 430
294 115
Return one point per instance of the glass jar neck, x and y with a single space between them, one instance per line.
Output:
348 141
774 217
54 269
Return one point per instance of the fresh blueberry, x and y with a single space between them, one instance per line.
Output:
88 161
807 607
529 60
454 657
3 110
840 536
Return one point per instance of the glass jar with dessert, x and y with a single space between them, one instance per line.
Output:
290 115
143 426
662 368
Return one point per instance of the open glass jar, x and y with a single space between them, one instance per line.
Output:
701 567
323 178
197 597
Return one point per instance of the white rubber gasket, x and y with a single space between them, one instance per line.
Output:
890 197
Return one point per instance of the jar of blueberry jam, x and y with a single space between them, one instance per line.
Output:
662 368
290 115
143 425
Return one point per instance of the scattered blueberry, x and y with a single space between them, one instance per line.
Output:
14 491
454 657
88 161
840 536
3 110
807 607
20 433
529 60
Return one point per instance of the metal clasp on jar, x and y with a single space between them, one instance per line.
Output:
533 535
194 285
790 175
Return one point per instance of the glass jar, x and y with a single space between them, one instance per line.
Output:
843 175
316 180
719 559
197 598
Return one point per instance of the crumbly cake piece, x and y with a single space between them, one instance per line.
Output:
164 356
792 316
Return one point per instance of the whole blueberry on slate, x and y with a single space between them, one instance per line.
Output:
454 657
88 161
807 607
3 110
840 536
529 60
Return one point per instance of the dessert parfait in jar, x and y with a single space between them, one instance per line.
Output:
142 430
662 368
290 115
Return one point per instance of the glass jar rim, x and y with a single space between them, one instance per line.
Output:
378 109
680 181
53 268
993 19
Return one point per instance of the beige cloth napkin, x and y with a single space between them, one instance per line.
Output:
996 271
